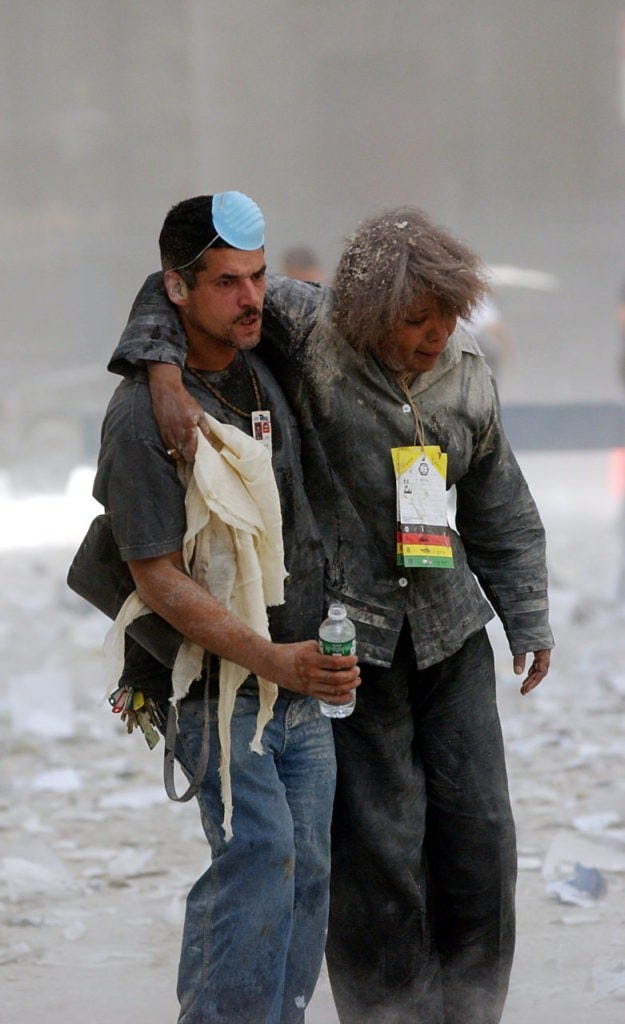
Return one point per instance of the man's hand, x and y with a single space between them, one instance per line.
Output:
194 612
301 668
538 669
177 412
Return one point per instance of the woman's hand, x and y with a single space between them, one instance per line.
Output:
538 669
177 412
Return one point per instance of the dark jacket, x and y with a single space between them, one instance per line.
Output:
351 413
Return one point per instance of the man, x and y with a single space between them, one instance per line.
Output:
423 846
301 263
489 328
255 921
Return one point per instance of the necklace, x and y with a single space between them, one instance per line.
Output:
261 418
224 401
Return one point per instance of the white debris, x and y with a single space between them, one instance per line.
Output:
8 954
609 980
129 798
51 519
27 879
129 864
526 863
598 822
580 917
566 892
567 848
74 931
41 703
97 862
58 780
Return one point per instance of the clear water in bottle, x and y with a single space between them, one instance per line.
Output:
337 635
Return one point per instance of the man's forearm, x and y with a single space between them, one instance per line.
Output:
195 613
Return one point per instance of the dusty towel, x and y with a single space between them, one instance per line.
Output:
232 547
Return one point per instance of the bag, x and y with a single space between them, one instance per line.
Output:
99 575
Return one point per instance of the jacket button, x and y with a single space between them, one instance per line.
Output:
406 408
403 582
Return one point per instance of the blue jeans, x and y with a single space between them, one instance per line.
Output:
256 920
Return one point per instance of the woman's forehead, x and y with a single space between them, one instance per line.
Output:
423 301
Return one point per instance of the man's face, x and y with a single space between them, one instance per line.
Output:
222 313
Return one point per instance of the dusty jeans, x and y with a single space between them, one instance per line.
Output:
423 857
255 921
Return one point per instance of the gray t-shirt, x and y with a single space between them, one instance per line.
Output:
138 485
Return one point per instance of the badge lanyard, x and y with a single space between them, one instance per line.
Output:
423 539
261 418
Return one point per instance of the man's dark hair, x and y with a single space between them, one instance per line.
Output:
187 230
393 261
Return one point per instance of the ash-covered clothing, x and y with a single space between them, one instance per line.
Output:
255 922
232 548
422 916
351 412
138 484
422 925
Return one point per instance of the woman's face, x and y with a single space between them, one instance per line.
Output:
420 338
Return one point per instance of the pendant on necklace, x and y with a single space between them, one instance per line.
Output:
261 418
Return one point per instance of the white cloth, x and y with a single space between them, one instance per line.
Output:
233 548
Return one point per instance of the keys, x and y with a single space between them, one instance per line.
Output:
137 711
145 724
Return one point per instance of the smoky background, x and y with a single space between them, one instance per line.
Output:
505 121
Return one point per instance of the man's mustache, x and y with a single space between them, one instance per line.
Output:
248 311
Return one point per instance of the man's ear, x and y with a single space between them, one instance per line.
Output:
175 287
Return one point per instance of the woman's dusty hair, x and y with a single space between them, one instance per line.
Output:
391 262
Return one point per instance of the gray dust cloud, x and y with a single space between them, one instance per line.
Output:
506 123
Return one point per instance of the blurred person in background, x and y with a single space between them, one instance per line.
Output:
423 843
255 921
492 334
301 263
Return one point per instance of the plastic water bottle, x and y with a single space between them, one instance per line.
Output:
337 635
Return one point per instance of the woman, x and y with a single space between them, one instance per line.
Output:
396 403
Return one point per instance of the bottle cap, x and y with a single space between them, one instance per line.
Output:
337 611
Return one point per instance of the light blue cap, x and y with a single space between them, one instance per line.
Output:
238 220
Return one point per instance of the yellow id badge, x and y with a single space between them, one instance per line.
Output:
423 539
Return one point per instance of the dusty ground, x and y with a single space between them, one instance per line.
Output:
95 862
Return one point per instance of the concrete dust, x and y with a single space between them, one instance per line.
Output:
95 862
